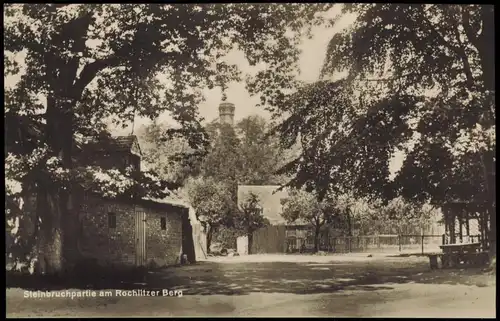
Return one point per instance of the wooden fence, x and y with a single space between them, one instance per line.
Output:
383 243
273 239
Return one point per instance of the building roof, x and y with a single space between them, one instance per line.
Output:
118 144
123 143
174 200
270 200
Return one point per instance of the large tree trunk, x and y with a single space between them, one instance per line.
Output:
487 59
490 213
57 235
57 238
486 47
50 234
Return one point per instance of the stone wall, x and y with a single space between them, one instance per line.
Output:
98 241
163 247
117 245
114 246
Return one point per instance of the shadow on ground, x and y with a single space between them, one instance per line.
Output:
209 278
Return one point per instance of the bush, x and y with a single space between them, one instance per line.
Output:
227 237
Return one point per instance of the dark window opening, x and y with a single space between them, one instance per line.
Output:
111 220
163 223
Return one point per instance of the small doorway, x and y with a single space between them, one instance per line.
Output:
140 238
187 237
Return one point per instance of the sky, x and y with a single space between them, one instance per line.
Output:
310 63
312 56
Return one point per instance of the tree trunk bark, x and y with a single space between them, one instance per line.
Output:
57 242
493 233
460 226
209 237
482 220
490 213
467 223
50 234
250 242
349 225
486 48
487 58
316 239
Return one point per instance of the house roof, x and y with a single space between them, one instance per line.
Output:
270 200
117 144
123 143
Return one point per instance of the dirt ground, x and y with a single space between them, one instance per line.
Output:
287 285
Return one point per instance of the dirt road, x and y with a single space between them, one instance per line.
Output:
288 286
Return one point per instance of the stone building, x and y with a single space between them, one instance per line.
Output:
123 232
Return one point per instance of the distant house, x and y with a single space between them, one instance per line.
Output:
117 152
122 231
270 200
281 236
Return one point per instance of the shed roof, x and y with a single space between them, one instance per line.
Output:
123 143
115 144
119 144
174 200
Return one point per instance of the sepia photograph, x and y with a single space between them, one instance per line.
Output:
250 160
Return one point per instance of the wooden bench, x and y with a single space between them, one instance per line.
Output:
457 254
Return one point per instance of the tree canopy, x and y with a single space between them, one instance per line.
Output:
244 153
213 203
78 64
250 217
95 61
418 84
173 159
261 153
302 207
223 160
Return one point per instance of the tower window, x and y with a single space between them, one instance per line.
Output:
163 223
111 220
